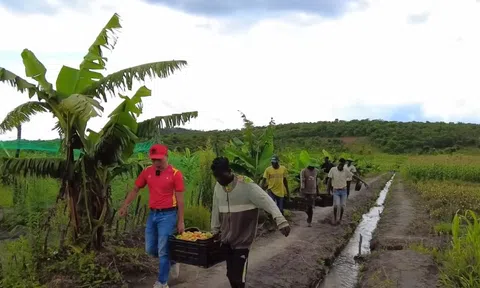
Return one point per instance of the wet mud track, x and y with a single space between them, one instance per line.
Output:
394 262
298 260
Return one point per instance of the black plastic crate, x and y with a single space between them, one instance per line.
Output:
201 253
326 200
295 203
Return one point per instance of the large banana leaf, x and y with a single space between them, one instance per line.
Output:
36 70
35 167
303 159
241 158
151 127
123 79
71 80
21 114
17 82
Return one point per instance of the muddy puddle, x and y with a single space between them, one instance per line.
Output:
344 271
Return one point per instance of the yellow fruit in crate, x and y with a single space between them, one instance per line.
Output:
194 236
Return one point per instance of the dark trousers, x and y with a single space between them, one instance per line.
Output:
348 188
310 199
278 200
237 262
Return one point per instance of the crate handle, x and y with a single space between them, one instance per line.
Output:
192 229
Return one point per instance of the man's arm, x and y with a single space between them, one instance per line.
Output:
263 182
139 184
302 180
285 181
359 179
130 197
329 180
262 201
215 221
179 190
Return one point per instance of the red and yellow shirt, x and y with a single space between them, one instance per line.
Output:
162 188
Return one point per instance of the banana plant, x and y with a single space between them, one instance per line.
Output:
75 100
103 156
251 155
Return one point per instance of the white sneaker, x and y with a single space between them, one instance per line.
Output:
160 285
175 270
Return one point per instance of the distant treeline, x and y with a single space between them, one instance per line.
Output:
388 136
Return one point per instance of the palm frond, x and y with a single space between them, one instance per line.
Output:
17 82
34 167
151 127
21 114
123 79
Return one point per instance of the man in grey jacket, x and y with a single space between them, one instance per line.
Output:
236 203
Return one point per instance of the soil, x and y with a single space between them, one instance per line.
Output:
300 260
394 262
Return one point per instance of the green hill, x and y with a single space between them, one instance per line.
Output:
366 135
360 136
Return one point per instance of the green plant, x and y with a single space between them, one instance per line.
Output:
197 216
205 182
251 155
85 181
461 263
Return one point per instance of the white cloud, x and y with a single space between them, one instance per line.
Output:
295 68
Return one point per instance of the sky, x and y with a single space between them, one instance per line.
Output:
295 61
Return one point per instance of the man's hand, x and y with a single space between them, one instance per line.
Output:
285 231
123 211
180 227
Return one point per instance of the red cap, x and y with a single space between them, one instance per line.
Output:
158 151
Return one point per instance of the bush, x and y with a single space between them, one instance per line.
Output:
197 216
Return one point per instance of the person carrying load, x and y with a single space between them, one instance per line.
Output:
165 186
275 182
337 178
309 189
236 203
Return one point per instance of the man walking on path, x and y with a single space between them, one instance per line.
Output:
275 181
236 201
166 186
326 166
352 169
309 189
337 177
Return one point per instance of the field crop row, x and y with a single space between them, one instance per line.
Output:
450 188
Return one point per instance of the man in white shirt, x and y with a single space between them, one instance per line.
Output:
352 169
337 177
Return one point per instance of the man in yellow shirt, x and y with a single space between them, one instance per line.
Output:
275 182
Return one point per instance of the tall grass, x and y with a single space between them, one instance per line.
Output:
461 263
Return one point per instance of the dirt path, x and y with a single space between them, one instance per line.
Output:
295 261
393 262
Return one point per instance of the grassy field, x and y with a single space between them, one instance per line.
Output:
450 187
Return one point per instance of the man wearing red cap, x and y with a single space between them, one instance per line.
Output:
165 185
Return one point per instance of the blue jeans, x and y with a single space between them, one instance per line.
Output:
278 200
160 225
340 197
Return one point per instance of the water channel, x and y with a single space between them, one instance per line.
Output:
344 271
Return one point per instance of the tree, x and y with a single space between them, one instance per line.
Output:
73 103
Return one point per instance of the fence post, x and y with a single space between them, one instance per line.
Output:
360 245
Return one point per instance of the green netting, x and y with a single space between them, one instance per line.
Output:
53 146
